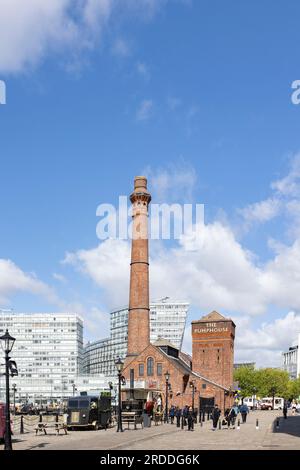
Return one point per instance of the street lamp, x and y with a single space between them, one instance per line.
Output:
193 387
119 365
14 389
7 343
167 377
74 389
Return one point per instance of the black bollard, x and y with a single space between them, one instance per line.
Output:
257 426
239 424
56 417
41 418
182 422
277 423
22 425
220 424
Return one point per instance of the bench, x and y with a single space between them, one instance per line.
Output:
43 427
131 417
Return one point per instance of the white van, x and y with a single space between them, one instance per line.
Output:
267 403
251 402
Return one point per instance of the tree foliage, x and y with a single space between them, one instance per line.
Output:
266 382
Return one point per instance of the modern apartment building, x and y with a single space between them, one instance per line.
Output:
291 360
48 351
167 320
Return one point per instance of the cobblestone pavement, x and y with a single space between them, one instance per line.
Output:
169 437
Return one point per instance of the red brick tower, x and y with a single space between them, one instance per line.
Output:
213 348
138 316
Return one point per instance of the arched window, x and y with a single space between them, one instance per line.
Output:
150 366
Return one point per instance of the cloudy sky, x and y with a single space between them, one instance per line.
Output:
196 94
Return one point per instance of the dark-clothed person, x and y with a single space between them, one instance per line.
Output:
190 419
172 414
185 413
244 410
285 409
178 416
216 412
232 416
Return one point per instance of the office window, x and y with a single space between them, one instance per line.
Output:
141 370
159 368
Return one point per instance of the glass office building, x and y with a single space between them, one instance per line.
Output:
48 352
291 360
167 320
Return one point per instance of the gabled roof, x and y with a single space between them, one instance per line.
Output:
164 342
212 316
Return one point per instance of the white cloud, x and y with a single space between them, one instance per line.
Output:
176 182
262 211
285 201
145 110
121 48
14 280
31 29
265 344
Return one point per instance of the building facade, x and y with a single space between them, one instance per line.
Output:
48 351
291 360
167 319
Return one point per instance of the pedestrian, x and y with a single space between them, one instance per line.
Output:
232 417
178 416
285 409
190 419
216 412
244 410
298 407
185 413
172 414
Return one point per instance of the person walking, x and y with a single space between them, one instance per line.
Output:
190 419
232 417
244 410
172 414
285 409
216 412
185 413
178 416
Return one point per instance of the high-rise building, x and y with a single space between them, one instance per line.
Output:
291 360
167 319
48 351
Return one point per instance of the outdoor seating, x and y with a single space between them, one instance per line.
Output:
44 427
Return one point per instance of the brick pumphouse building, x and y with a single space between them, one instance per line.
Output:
207 376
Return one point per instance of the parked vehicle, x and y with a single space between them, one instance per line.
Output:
251 402
89 412
267 403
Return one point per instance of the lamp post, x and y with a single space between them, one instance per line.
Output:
7 343
193 387
119 365
74 389
14 389
254 399
167 377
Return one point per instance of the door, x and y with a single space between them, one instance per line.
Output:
207 404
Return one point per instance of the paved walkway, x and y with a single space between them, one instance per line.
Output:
287 436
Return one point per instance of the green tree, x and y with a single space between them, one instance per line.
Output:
247 379
272 382
294 389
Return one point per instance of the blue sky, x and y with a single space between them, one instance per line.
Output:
100 94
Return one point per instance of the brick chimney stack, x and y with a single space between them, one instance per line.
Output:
138 316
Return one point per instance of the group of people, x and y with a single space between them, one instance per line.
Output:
230 415
294 406
187 416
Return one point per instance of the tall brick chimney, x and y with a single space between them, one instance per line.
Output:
138 316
